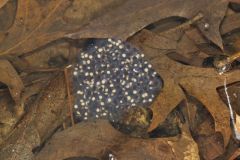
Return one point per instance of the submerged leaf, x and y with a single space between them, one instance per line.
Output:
198 82
45 115
99 139
134 15
3 2
10 77
39 22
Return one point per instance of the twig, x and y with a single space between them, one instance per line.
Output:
32 70
68 93
185 25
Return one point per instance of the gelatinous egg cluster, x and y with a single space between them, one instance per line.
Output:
110 77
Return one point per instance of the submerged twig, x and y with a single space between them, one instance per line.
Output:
68 93
185 25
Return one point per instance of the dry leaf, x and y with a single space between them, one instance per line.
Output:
40 58
3 2
7 118
198 82
210 146
230 23
234 95
99 139
10 77
6 21
134 15
9 111
40 22
46 113
235 1
236 155
185 146
36 24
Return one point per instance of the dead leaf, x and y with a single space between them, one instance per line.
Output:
234 95
3 2
33 25
45 115
6 21
85 11
210 146
185 147
41 57
99 139
40 22
46 22
230 23
236 155
10 116
198 82
10 77
235 1
137 14
7 118
187 52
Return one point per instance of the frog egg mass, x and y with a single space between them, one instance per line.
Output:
111 76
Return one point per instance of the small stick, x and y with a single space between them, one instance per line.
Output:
185 25
32 70
68 93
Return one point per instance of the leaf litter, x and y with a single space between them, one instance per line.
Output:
181 39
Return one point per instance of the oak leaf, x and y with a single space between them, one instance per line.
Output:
98 139
130 17
198 82
44 116
39 22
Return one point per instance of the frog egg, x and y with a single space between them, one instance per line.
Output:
114 77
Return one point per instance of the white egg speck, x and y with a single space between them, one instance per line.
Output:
100 49
75 73
75 106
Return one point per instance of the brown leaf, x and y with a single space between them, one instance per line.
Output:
41 58
235 1
230 23
187 52
137 14
186 146
6 21
10 77
3 2
7 118
45 115
35 25
39 22
236 155
234 95
98 139
210 146
198 82
10 114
